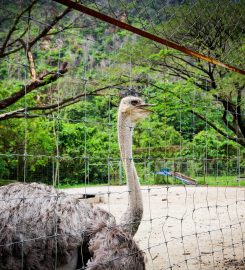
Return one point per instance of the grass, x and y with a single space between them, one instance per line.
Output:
64 186
231 181
222 181
201 180
4 182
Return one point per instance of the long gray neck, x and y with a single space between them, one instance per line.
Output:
132 217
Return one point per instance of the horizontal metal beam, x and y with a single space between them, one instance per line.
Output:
120 24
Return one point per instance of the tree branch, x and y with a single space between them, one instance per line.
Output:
20 113
201 68
30 59
240 119
239 138
38 37
18 39
13 28
49 27
42 80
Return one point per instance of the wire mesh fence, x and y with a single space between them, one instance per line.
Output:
63 75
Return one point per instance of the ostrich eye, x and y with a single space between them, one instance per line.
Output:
134 102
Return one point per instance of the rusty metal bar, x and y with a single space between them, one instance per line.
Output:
145 34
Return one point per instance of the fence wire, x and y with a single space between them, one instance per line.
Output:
205 26
61 128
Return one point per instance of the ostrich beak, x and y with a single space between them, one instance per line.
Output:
146 106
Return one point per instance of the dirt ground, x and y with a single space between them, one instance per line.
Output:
185 227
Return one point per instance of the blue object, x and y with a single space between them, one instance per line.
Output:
183 178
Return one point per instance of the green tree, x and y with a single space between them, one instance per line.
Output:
211 28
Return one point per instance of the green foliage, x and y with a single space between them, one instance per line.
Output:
80 138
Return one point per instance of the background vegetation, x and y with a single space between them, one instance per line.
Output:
63 74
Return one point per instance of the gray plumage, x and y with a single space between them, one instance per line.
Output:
47 226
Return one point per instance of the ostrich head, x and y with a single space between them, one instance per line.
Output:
134 108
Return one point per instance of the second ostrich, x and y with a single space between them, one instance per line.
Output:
43 228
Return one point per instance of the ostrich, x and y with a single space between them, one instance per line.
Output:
44 228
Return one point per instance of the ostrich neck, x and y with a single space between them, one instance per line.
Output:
132 217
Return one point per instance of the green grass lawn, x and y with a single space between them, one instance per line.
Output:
208 180
229 180
4 182
201 180
220 181
61 186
